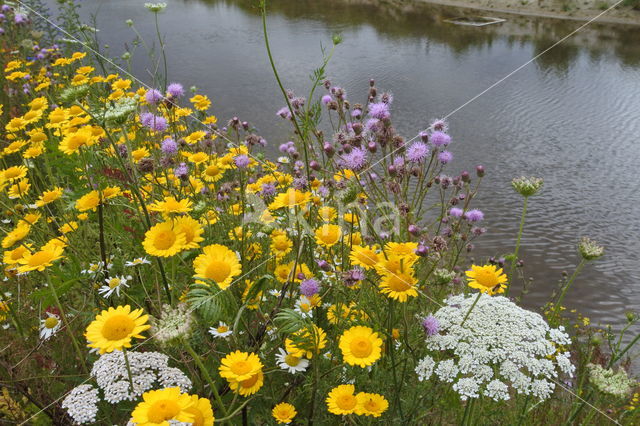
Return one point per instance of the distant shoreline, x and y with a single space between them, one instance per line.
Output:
616 16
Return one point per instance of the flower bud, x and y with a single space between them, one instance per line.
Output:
527 186
372 146
329 149
314 165
589 249
480 171
465 176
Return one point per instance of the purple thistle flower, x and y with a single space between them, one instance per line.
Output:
398 163
445 157
169 146
455 212
175 90
439 125
241 161
309 287
146 118
153 96
372 125
379 110
356 113
431 325
355 160
417 152
326 99
284 112
20 18
182 171
285 147
474 215
268 189
439 138
159 124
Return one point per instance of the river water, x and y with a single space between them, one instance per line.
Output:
570 117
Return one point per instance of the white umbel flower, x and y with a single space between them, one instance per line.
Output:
82 404
499 346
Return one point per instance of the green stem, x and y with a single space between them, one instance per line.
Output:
556 308
126 363
207 376
471 308
515 253
13 315
524 407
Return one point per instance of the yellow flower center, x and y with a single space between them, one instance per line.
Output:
118 327
399 283
346 402
218 271
281 244
370 405
241 367
163 410
212 170
198 418
292 360
164 240
51 322
222 329
251 381
486 277
361 347
114 282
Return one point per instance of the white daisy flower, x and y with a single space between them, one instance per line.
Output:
291 363
114 284
275 293
304 307
94 268
222 330
49 326
138 261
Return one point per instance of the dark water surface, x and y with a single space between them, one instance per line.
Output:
571 117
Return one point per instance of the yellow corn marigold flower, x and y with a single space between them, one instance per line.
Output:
327 214
213 172
238 366
364 256
13 173
328 235
114 328
284 413
248 386
194 137
17 234
19 189
200 102
159 407
281 245
192 231
371 404
406 251
32 218
164 240
291 198
170 205
40 260
72 142
341 400
307 343
285 272
201 411
88 201
16 124
217 263
399 285
360 346
139 154
488 279
11 257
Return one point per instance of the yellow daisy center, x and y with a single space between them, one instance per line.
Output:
163 410
346 402
486 278
371 405
398 283
51 322
281 244
118 327
218 271
251 381
164 240
198 418
361 347
292 360
223 329
241 367
114 282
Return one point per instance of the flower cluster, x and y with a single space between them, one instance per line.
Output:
608 381
499 346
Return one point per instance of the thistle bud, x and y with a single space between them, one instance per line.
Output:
480 171
314 165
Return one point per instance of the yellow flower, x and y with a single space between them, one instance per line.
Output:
307 344
198 158
191 229
72 142
488 279
200 102
171 206
248 386
17 234
218 264
160 406
19 189
16 124
164 240
291 198
194 137
360 346
341 400
406 251
399 285
328 235
11 257
371 404
281 245
213 172
139 154
284 272
114 328
337 313
201 411
238 366
284 413
13 173
88 201
49 196
364 256
40 260
327 214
